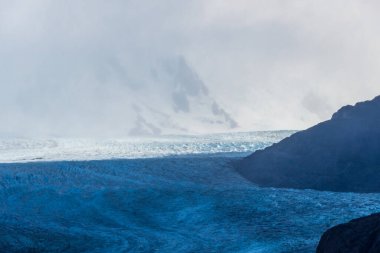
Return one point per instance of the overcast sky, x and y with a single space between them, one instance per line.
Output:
109 68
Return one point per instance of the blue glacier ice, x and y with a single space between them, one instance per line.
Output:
169 194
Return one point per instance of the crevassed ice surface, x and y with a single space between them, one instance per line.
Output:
18 150
168 204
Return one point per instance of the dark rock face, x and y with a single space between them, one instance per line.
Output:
341 154
357 236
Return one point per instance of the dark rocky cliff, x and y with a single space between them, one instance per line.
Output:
357 236
341 154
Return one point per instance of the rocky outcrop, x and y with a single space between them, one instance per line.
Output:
341 154
357 236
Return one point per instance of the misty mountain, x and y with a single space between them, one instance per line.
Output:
187 103
107 96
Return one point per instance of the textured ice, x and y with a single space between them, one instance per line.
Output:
187 203
23 150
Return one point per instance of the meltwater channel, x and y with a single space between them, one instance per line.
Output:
164 194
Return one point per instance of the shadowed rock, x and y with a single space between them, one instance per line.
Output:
341 154
357 236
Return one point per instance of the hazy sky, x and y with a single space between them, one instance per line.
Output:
120 67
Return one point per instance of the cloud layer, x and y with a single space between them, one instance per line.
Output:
114 68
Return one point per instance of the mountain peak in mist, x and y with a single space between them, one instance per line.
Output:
188 104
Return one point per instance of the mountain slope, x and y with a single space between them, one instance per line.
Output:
341 154
359 235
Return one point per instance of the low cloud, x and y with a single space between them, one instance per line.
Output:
114 68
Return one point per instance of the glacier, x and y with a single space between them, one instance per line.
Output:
161 194
56 149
